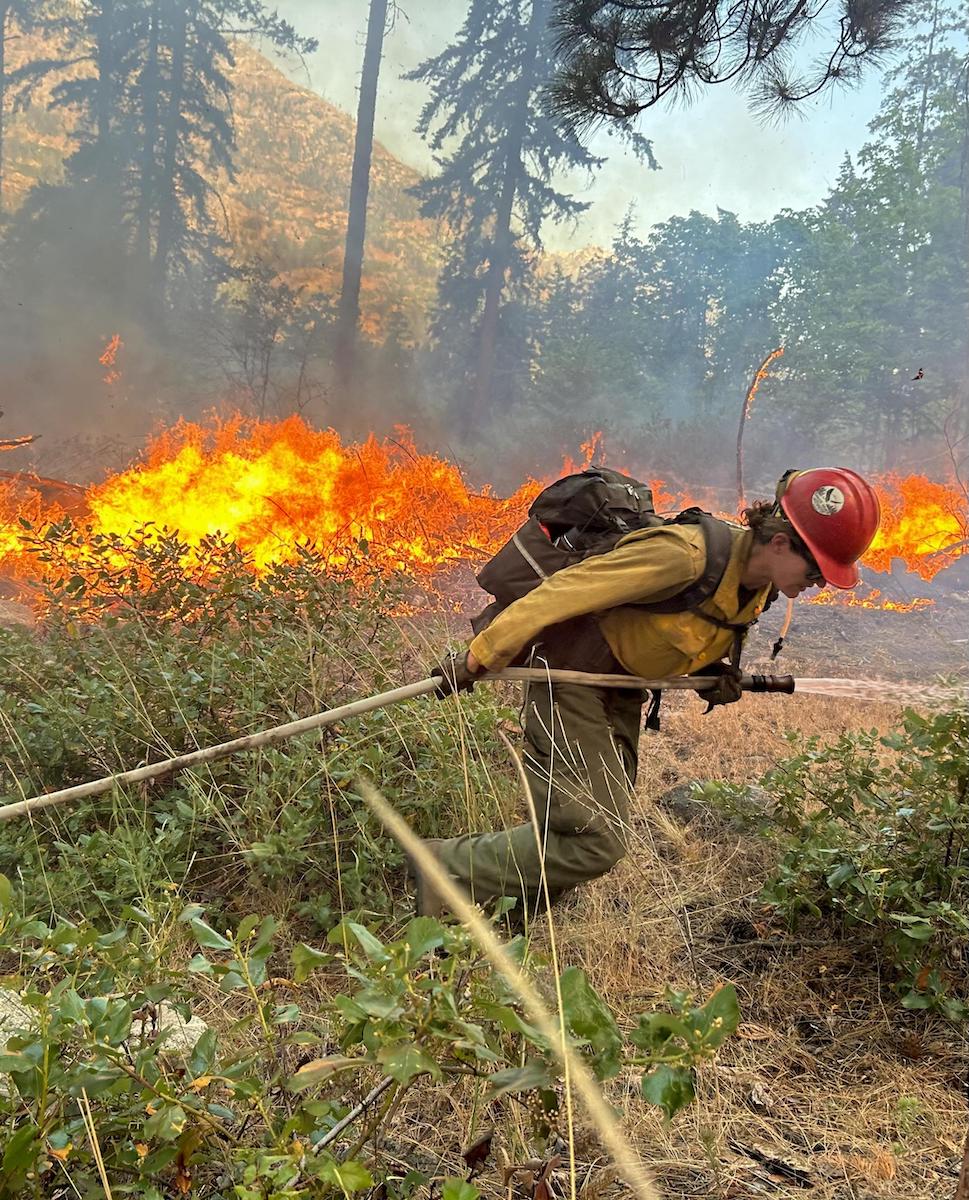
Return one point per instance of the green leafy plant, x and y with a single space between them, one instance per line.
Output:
875 833
103 1057
146 651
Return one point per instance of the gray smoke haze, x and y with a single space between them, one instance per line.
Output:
712 154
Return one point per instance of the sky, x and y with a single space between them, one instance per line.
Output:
712 154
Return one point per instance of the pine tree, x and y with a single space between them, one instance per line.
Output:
154 122
619 57
16 18
493 190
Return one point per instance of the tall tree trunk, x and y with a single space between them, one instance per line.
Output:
167 188
4 11
499 257
149 91
349 314
103 26
926 83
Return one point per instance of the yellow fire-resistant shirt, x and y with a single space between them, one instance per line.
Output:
646 566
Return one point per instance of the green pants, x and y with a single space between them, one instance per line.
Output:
580 757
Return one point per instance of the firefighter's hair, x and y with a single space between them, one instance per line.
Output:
765 519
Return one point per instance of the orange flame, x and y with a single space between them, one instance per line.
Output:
269 486
272 486
924 523
871 599
109 358
762 373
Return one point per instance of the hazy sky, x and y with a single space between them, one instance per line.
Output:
712 154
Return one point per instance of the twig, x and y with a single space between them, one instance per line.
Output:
374 1094
962 1187
759 376
85 1107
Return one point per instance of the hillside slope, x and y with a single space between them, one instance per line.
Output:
287 204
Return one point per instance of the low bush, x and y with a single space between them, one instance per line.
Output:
106 1070
874 833
149 649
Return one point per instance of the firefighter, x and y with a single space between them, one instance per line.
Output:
581 743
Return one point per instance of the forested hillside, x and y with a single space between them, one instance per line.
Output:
212 243
286 204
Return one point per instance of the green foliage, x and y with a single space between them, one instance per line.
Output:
216 1050
96 1035
621 57
679 1040
876 838
150 650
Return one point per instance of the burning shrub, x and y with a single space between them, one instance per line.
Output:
876 837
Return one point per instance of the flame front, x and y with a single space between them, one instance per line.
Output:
272 486
925 524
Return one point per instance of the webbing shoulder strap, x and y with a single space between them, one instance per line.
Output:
719 543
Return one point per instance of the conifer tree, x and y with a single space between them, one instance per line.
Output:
154 127
16 18
619 57
497 153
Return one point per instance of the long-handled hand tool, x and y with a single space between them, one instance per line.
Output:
279 733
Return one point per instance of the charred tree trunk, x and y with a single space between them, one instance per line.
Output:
4 14
349 314
499 257
168 186
150 81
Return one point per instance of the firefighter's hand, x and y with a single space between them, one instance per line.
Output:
726 690
457 673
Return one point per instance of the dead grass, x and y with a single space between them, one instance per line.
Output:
827 1075
828 1089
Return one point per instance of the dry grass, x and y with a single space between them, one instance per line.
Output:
840 1093
826 1074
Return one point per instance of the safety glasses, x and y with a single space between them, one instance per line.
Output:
814 573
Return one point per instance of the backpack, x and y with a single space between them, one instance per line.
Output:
584 515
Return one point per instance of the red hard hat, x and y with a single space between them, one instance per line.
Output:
836 515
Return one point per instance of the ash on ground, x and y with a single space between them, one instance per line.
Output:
825 640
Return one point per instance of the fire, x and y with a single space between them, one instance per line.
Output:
871 599
762 372
272 487
925 524
109 358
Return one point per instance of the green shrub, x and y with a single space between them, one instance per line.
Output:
248 1105
875 836
148 650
